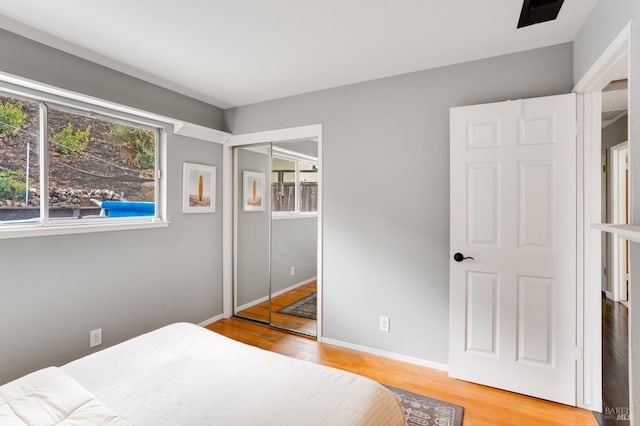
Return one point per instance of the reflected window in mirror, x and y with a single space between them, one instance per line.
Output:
294 187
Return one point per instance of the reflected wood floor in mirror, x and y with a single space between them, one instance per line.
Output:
288 322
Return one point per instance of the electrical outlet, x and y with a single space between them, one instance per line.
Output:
293 270
95 337
384 324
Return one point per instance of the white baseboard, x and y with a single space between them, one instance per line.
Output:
277 293
211 320
387 354
252 303
300 284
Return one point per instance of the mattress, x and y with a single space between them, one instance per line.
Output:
183 374
49 397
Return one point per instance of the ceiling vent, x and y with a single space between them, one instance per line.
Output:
537 11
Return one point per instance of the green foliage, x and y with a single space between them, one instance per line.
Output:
68 140
12 184
12 118
137 146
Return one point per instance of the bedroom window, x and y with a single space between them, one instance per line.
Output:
66 164
294 186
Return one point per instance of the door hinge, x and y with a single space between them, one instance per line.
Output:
158 174
578 353
604 168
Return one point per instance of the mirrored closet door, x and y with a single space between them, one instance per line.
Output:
252 232
287 269
294 235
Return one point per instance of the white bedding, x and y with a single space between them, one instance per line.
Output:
49 397
185 375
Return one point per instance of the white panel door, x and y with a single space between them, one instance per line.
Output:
513 211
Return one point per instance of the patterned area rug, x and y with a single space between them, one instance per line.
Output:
305 307
422 411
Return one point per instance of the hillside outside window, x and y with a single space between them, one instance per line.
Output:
64 164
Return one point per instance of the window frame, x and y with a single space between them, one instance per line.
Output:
78 104
296 158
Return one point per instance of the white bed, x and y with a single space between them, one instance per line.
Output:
186 375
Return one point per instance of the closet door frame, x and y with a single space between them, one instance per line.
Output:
228 207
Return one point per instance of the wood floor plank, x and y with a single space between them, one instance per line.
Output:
615 361
260 312
483 405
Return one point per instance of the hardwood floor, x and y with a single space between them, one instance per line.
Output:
615 361
483 405
260 311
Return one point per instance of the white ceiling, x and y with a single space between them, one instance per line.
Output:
237 52
615 105
615 100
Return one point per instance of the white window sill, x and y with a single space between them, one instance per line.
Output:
24 231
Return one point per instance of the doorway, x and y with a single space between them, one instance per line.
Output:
615 251
596 267
276 240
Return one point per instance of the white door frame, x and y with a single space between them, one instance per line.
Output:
589 206
302 132
619 163
606 214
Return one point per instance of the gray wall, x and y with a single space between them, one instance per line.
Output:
54 290
252 282
386 249
26 58
294 242
606 21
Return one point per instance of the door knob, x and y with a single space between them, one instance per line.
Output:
459 257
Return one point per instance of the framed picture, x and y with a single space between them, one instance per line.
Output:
253 192
198 188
